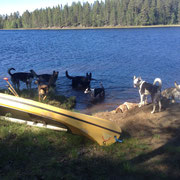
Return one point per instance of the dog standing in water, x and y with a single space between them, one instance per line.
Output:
80 81
46 77
146 89
96 93
21 76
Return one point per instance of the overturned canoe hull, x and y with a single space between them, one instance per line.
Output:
99 130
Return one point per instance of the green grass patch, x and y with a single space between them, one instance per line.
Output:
52 98
37 153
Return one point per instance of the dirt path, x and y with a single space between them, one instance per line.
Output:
155 129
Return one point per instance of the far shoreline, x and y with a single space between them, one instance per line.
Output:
104 27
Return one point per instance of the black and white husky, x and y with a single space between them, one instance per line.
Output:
149 89
96 93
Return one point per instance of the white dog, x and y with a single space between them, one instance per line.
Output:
149 89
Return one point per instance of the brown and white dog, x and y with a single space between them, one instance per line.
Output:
21 76
148 89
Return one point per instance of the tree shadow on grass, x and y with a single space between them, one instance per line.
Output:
30 153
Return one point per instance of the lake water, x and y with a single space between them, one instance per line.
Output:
113 56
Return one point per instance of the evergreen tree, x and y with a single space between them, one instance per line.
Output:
56 16
113 14
50 17
45 20
107 12
178 13
87 15
131 13
26 19
152 13
144 14
98 14
1 22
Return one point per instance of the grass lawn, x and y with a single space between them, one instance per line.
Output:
36 153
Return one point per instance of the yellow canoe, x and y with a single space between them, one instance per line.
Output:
102 131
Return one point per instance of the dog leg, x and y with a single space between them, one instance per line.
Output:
154 100
160 105
173 99
146 102
18 85
27 84
44 98
154 108
142 100
30 82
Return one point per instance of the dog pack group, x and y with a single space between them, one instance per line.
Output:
45 81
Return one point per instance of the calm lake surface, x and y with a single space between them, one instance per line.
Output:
113 56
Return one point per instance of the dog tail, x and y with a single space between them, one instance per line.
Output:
177 86
9 71
159 81
67 75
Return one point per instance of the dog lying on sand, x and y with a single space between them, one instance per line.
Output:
148 89
80 81
172 93
21 76
46 77
125 107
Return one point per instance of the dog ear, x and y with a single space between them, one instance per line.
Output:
175 84
134 77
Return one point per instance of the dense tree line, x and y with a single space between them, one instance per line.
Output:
98 14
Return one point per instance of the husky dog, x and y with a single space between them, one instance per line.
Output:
149 89
21 76
172 93
46 77
95 93
80 81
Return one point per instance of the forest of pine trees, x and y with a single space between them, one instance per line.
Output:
98 14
